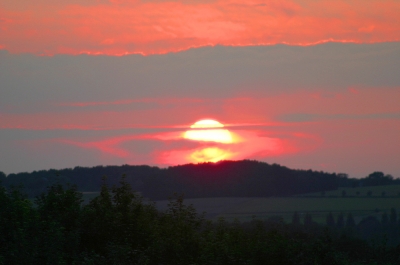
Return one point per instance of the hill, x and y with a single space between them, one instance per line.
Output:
223 179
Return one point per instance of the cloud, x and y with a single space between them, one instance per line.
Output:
307 117
162 101
172 148
283 109
212 72
156 27
87 110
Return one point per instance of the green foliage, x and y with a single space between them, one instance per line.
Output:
176 234
16 226
62 205
116 225
119 227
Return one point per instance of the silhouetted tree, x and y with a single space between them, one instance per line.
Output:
330 221
377 179
118 228
385 219
308 220
60 209
2 177
368 227
340 221
393 216
17 227
350 221
296 219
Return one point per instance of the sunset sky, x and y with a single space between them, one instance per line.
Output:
308 84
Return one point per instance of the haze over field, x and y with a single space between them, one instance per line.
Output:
305 84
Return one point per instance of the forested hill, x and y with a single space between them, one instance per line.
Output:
224 179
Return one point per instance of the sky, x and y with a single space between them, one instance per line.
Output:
308 84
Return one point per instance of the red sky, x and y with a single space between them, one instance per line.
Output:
152 27
306 84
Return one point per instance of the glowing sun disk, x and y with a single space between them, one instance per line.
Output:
213 135
210 154
204 131
207 124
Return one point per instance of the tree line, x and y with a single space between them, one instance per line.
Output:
224 179
118 227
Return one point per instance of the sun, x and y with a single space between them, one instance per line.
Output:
212 131
209 154
204 130
207 124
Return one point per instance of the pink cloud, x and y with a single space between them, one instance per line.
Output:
114 146
126 27
234 112
251 144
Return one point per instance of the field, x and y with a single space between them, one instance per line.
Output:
89 195
356 201
244 209
377 191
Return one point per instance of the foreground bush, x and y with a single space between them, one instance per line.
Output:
117 227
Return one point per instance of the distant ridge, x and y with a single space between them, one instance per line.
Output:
245 178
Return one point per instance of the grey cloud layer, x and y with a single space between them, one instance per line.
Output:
304 117
205 72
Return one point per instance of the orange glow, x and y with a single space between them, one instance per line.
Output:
225 146
157 27
252 144
209 154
